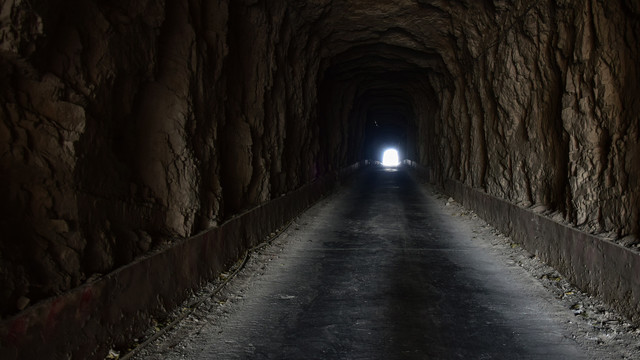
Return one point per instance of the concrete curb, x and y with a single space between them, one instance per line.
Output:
85 322
597 266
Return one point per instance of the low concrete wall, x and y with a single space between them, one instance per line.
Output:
422 172
597 266
85 322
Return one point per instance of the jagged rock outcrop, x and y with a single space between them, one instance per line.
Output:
545 110
126 125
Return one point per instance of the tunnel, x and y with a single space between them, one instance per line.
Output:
132 129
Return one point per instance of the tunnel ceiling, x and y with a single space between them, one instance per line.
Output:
389 52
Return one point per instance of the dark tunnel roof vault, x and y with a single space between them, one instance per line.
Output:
376 65
380 58
410 47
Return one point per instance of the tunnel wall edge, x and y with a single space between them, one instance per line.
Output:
595 265
89 320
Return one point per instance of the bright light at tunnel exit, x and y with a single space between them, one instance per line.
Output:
390 158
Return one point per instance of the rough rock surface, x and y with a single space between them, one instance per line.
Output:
128 124
125 125
544 110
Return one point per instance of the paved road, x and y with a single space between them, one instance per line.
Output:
381 272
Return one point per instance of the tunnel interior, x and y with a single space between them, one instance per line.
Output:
384 81
129 125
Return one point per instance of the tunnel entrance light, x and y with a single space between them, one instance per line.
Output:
390 158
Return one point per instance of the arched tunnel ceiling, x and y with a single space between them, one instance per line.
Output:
382 57
386 50
412 31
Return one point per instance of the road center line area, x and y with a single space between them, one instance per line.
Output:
387 268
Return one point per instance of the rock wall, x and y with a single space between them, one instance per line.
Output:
542 103
125 125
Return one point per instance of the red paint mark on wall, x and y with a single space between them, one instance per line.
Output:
17 330
84 306
52 318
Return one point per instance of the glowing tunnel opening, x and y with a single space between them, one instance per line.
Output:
390 158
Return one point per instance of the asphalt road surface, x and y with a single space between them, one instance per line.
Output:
378 271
